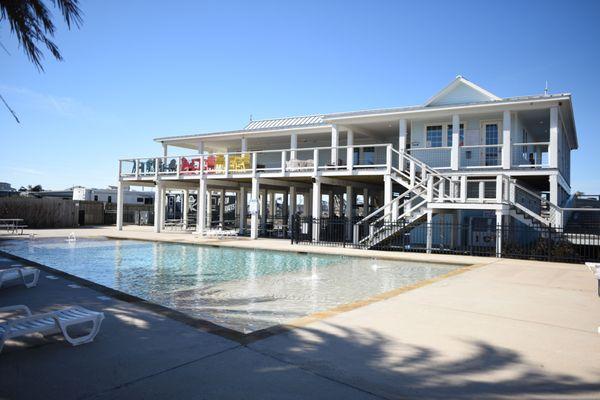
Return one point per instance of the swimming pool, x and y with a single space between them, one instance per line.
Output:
244 290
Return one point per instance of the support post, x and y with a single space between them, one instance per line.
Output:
316 208
499 189
185 206
335 139
120 205
349 209
244 145
387 195
222 208
366 209
463 189
350 150
430 188
157 191
293 145
209 209
506 140
201 207
402 138
429 244
499 233
292 208
553 147
243 207
254 210
455 152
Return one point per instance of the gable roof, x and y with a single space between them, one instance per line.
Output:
461 91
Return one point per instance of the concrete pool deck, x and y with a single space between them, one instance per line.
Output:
508 328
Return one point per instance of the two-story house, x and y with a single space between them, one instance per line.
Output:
464 155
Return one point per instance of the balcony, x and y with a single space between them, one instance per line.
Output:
303 161
530 155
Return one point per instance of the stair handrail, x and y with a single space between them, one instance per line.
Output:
390 203
552 206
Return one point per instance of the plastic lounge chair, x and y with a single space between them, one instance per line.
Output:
23 273
49 323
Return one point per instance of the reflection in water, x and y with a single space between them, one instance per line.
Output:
241 289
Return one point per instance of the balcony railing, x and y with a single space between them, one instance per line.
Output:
435 157
372 156
530 154
481 156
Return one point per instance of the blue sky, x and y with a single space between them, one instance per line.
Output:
137 70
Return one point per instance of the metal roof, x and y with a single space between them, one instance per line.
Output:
421 107
285 122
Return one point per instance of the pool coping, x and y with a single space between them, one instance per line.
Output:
231 334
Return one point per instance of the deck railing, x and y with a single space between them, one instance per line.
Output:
301 160
530 154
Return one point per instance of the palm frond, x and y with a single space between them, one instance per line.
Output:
31 22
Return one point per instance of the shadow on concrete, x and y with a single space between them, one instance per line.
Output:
370 361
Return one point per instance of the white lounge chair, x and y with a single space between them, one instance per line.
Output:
23 273
49 323
219 233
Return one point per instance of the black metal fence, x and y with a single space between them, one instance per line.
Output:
509 241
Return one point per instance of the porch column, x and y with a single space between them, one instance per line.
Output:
350 150
387 194
242 212
200 147
244 145
506 140
293 145
429 244
499 214
157 207
553 147
349 210
222 208
499 189
402 138
254 209
292 208
201 206
209 209
163 194
120 205
366 210
308 203
185 207
272 206
316 207
284 205
463 189
455 152
335 139
330 203
263 209
165 149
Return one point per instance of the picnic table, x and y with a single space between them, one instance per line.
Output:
12 225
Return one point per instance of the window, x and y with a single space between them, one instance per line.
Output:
110 199
461 134
95 197
140 199
434 136
491 138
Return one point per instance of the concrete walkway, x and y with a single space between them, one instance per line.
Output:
507 329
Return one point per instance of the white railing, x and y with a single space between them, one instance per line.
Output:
302 160
435 157
481 156
533 154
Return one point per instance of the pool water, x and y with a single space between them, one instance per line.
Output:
244 290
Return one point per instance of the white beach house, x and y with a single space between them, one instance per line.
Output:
465 155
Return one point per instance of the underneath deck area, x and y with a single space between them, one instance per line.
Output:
498 329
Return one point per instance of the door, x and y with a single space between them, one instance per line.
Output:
491 132
81 217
